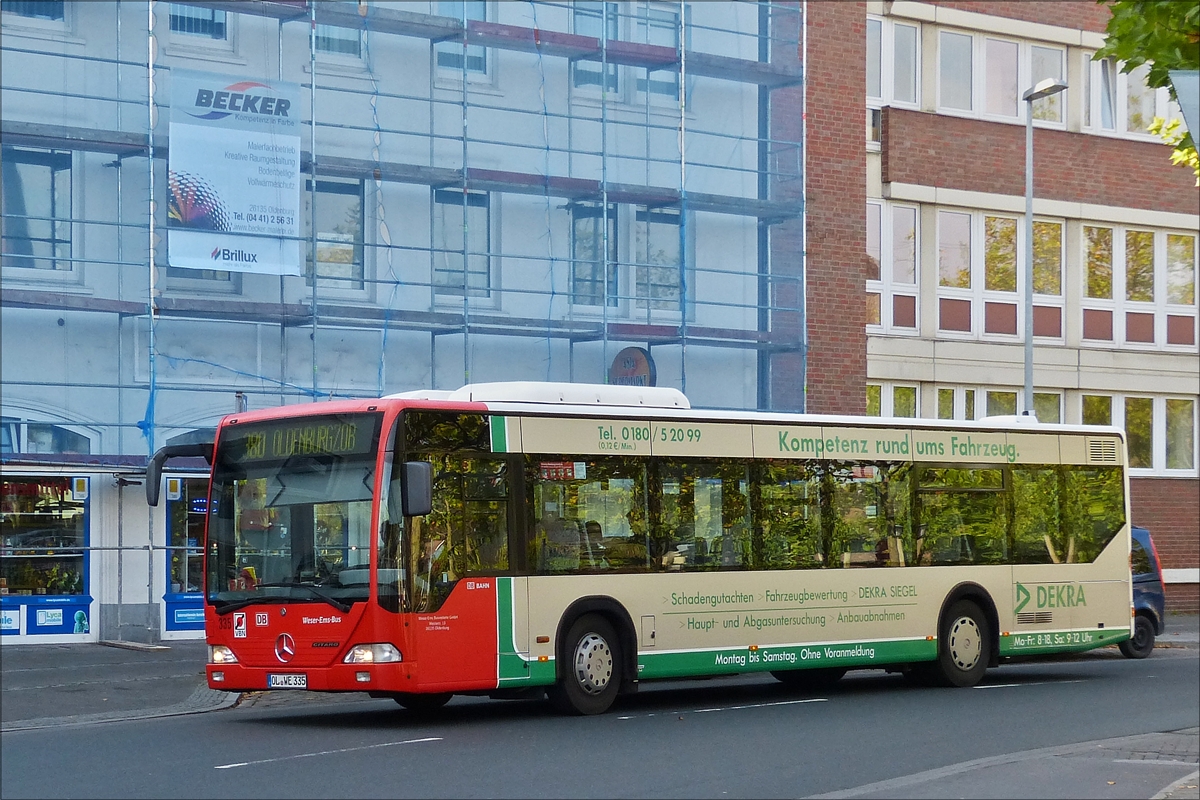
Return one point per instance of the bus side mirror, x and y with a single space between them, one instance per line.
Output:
416 492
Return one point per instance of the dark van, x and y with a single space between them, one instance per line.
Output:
1148 599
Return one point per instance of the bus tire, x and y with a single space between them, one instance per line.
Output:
812 679
964 646
422 703
1141 644
590 667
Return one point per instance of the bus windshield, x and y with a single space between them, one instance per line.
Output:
290 516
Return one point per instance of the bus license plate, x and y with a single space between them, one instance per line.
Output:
287 681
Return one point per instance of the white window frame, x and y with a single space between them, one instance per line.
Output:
446 73
1164 106
1119 305
887 287
1158 431
887 70
887 397
978 108
609 13
73 275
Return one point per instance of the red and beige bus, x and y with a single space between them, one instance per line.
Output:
515 539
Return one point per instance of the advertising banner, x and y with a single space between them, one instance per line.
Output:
233 188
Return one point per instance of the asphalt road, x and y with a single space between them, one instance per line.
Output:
1016 735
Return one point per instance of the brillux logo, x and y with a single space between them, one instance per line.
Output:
224 254
235 98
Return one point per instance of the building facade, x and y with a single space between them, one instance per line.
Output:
551 191
1114 242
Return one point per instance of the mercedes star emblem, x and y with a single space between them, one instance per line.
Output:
285 647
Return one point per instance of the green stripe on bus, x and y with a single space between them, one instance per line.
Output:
513 667
499 434
803 656
1073 641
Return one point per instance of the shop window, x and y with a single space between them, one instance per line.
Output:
339 220
193 21
594 255
453 56
35 212
187 502
43 533
461 244
599 21
657 252
18 436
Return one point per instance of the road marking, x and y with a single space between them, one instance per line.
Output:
726 708
327 752
1031 683
1161 761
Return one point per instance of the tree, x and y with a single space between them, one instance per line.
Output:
1166 35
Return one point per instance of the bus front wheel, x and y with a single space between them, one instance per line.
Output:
422 703
590 672
964 645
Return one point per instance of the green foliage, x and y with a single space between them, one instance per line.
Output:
1166 35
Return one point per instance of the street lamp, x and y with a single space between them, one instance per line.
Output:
1043 88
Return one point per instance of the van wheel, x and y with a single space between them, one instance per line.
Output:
590 668
816 680
422 703
964 646
1142 642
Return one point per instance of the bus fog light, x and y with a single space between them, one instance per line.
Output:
220 654
218 677
372 654
362 677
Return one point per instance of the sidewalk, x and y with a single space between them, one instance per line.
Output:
65 684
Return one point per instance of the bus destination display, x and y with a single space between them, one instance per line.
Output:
345 435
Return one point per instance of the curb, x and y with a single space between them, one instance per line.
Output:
201 700
1188 783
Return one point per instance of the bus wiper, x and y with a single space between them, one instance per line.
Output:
234 605
340 605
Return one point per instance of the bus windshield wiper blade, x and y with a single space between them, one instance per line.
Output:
224 607
340 605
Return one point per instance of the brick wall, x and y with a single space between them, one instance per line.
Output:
957 153
1170 508
1086 15
835 167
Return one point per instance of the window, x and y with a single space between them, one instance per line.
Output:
892 400
339 220
1047 406
34 9
39 437
658 26
461 223
1000 403
599 21
892 278
1139 288
981 275
194 21
658 259
593 273
35 212
986 76
1160 432
452 56
344 41
43 528
1121 103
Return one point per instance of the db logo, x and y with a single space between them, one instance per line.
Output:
239 625
479 585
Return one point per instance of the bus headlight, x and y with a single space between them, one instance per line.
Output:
220 654
372 654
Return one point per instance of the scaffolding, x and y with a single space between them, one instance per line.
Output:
622 173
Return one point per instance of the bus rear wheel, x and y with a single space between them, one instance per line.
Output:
590 668
422 703
964 646
816 680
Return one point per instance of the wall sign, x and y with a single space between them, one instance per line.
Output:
633 366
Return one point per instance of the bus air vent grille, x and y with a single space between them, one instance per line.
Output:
1035 617
1102 451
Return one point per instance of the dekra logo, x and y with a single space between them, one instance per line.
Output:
225 254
